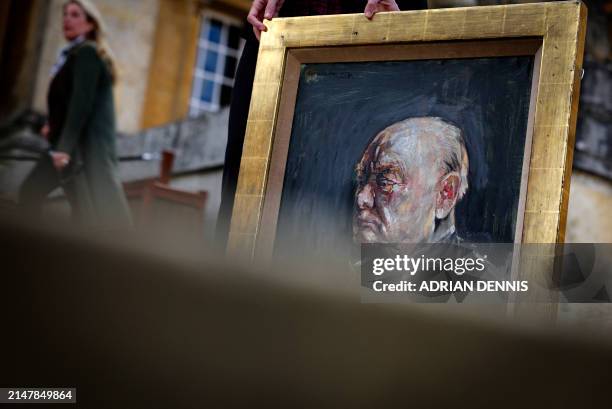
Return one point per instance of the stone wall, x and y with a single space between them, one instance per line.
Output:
172 64
593 151
590 201
197 143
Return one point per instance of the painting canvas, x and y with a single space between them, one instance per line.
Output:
444 125
405 151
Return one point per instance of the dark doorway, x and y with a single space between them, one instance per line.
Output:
21 28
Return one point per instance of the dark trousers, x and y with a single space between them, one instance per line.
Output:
239 112
43 179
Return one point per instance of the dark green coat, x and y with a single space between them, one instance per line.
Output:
82 124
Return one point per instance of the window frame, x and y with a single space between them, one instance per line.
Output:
197 105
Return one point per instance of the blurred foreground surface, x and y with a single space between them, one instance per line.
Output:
152 322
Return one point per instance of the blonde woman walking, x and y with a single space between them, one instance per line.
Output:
81 127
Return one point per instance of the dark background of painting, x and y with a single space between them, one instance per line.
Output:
340 107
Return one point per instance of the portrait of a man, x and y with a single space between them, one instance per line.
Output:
422 151
409 180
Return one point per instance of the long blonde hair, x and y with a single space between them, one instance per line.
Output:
98 34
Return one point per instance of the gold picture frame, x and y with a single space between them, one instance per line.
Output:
553 32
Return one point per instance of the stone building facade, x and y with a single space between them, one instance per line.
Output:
155 43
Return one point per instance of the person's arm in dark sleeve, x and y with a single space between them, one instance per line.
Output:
376 6
412 4
87 68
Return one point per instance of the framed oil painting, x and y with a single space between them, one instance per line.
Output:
420 126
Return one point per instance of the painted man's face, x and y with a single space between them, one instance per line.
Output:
397 188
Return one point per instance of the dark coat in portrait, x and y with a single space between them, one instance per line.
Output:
82 124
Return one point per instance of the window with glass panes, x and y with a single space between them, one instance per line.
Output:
219 48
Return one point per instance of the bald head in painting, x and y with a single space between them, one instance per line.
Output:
410 178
